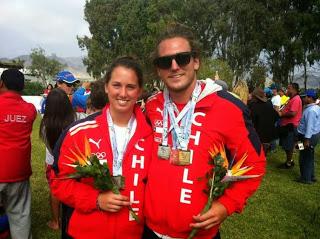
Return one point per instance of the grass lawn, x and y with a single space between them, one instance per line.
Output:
281 208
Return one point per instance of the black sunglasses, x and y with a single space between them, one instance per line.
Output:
182 59
70 84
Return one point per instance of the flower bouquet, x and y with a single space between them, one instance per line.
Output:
220 176
87 165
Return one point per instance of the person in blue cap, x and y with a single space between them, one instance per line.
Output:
66 81
309 133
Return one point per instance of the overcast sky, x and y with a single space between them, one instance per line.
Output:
50 24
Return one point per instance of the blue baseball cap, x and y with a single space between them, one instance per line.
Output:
67 77
310 93
274 87
268 92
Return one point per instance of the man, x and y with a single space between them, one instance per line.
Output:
80 97
207 116
290 116
66 81
309 131
16 119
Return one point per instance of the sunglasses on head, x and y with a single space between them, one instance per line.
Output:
182 59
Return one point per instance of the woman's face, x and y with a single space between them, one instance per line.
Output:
123 90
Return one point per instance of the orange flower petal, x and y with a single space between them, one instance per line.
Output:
238 165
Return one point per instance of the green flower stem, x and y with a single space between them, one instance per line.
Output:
204 210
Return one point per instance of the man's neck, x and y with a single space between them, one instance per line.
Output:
182 97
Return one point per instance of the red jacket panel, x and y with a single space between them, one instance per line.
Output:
87 221
16 120
174 193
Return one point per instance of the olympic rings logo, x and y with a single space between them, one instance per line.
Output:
100 155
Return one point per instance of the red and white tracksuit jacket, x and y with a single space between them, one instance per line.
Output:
174 193
86 220
16 120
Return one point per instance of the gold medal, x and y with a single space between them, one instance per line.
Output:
184 157
164 152
119 181
174 156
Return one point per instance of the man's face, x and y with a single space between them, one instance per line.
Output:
68 88
290 91
177 78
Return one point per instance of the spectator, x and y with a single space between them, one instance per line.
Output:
80 97
66 81
57 116
97 98
16 120
242 91
290 116
264 117
276 98
47 90
309 131
284 98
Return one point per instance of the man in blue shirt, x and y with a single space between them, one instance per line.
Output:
309 131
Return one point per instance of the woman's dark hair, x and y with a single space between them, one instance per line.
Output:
178 30
98 97
57 116
49 85
127 62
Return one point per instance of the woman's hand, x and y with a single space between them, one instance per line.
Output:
110 202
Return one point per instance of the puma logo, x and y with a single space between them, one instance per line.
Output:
96 143
159 110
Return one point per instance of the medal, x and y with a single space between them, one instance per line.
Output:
184 157
164 152
174 156
118 181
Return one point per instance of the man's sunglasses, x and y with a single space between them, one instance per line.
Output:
69 84
182 59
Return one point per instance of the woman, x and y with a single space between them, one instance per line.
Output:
121 137
57 116
47 90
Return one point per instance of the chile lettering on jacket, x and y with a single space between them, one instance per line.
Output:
185 192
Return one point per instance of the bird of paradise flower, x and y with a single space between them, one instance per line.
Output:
88 165
221 175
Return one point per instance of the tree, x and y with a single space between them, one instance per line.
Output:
258 76
240 32
43 67
209 67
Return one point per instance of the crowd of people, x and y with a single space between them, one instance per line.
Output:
155 149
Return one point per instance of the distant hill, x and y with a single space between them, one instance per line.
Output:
74 64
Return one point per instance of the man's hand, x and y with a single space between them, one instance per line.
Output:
86 85
216 215
108 201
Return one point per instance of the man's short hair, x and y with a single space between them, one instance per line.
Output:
295 86
13 79
178 30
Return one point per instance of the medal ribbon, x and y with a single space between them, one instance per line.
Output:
180 135
118 153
